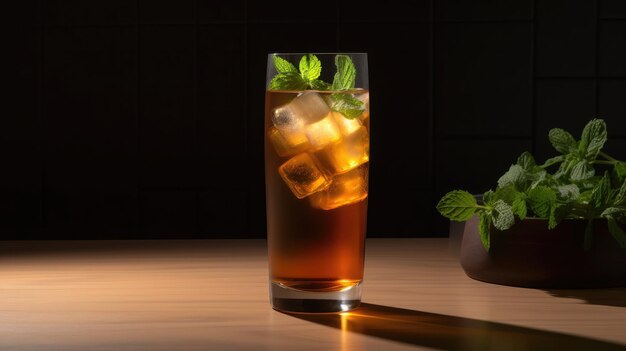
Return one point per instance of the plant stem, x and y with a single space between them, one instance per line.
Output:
605 155
483 207
601 162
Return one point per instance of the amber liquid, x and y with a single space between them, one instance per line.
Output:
310 249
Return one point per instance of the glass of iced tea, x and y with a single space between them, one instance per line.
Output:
316 174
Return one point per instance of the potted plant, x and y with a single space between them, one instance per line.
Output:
559 229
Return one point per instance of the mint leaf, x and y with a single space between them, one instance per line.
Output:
310 67
283 66
554 160
601 195
613 212
568 192
457 205
617 232
519 206
620 170
526 161
557 214
506 194
582 170
620 197
488 196
502 215
542 199
287 81
484 230
562 141
593 138
347 105
346 73
514 176
318 84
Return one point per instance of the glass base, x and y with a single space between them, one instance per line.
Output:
291 300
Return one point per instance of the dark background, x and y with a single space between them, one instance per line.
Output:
143 119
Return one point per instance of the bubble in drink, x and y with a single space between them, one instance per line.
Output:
346 154
345 189
283 146
302 176
346 126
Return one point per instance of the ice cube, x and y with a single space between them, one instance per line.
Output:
302 176
292 118
345 189
323 132
311 106
365 98
346 154
283 146
289 124
346 125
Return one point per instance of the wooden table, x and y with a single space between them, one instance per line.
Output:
213 295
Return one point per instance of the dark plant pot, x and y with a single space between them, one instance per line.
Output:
530 255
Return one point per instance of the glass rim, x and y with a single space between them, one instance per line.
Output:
317 53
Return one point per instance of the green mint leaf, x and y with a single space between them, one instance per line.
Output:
347 105
488 197
613 212
601 195
620 171
552 161
620 197
502 215
557 214
588 235
562 141
617 232
484 230
593 138
519 206
283 66
568 192
506 194
310 67
582 170
287 81
514 176
542 199
457 205
526 161
318 84
345 77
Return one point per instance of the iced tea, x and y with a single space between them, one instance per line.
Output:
316 172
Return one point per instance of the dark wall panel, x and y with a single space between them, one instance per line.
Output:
89 123
144 119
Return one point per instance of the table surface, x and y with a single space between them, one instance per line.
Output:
213 295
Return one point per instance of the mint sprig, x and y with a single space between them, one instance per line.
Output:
306 76
346 73
572 191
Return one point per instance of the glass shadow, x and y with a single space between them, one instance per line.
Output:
445 332
615 297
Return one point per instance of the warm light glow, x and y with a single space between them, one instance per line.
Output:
343 317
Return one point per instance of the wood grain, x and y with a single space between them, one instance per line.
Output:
213 295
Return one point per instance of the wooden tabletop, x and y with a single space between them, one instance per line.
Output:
213 295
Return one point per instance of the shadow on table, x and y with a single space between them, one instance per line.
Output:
449 332
606 297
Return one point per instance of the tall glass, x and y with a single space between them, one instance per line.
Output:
316 174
